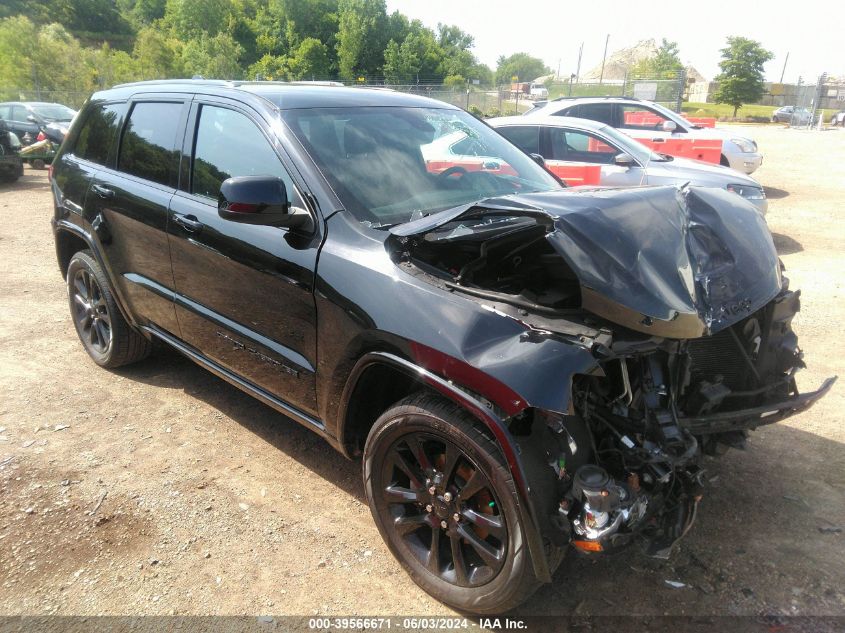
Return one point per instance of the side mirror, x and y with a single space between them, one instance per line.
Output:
538 159
31 118
669 126
624 160
261 200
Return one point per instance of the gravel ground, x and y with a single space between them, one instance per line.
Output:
160 489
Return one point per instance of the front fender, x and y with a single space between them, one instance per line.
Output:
491 420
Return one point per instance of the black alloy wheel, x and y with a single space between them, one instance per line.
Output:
105 334
445 503
90 312
444 509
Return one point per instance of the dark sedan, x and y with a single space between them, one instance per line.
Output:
28 118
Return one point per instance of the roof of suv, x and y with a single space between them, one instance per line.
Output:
286 96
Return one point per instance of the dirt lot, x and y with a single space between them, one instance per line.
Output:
160 489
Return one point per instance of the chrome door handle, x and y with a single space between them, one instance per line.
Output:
103 192
188 222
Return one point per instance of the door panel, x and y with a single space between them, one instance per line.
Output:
244 292
131 216
129 208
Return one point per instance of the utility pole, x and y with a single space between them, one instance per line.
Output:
557 75
601 76
783 72
578 69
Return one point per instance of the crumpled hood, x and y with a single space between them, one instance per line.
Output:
673 262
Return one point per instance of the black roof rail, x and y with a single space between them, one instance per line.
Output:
199 82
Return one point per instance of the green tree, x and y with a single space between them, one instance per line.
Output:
362 26
190 18
157 55
521 65
270 68
111 67
741 79
46 58
212 57
310 60
142 12
665 63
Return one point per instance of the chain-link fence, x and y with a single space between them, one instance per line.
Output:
667 89
492 101
70 98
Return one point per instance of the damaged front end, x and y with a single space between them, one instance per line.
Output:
678 295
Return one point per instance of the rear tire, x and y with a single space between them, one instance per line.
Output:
109 340
479 562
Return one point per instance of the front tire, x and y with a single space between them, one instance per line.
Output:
109 340
445 503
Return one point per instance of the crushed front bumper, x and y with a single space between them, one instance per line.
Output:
745 419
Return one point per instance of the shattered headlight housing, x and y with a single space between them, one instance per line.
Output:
749 192
745 145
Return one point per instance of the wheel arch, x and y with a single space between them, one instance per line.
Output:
364 399
70 239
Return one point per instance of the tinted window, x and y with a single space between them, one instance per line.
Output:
95 138
229 144
4 112
148 149
581 147
601 112
526 138
19 113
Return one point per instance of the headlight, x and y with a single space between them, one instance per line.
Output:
745 145
749 192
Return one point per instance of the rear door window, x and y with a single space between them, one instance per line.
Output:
96 137
149 145
525 137
601 112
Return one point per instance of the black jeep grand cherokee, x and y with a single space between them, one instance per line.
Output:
524 368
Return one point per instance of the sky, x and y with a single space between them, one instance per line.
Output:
810 31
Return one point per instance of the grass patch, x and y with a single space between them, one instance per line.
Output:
724 112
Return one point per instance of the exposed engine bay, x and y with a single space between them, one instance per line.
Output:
691 331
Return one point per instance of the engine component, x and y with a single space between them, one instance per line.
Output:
606 506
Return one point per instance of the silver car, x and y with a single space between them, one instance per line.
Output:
791 115
624 162
647 120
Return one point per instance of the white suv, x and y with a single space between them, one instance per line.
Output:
648 120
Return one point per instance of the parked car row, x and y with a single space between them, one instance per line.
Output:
623 161
646 120
34 131
524 369
28 119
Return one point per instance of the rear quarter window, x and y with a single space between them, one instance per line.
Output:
95 138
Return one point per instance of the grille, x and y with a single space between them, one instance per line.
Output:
718 355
